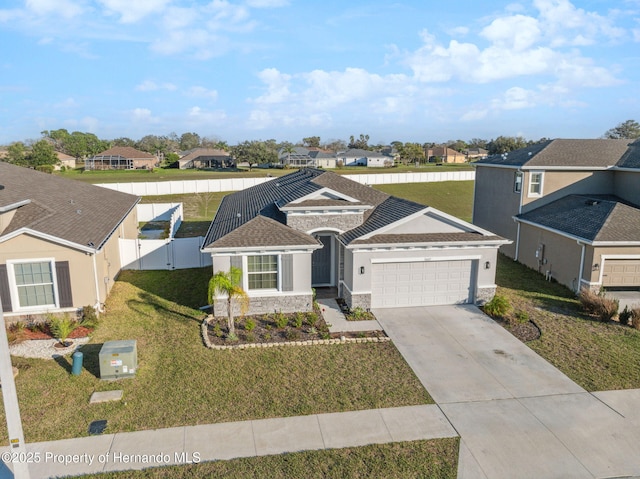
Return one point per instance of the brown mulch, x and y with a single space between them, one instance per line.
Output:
45 333
266 330
525 332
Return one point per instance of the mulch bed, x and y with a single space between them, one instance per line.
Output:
45 333
357 314
526 331
267 331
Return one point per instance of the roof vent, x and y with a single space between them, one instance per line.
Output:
79 211
592 202
238 215
529 153
1 187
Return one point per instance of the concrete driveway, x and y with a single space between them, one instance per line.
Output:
517 415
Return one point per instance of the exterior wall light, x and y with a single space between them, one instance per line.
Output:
361 269
487 265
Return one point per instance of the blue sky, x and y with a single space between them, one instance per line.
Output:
286 69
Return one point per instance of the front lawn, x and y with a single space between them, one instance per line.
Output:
437 458
180 382
595 355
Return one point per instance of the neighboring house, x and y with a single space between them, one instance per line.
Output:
314 229
206 158
65 160
446 155
298 158
59 248
322 158
121 158
569 206
357 157
474 154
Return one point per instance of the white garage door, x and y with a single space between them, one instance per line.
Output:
422 283
621 273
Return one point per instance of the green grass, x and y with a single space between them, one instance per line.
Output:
174 174
180 382
199 209
452 197
435 459
595 355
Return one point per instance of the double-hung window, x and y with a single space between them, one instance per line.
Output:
535 183
262 272
34 284
517 182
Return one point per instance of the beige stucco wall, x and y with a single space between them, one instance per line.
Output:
5 219
25 247
632 252
557 184
626 185
495 203
561 255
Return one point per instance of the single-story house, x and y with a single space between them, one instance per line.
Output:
59 248
357 157
445 154
65 160
122 158
313 229
206 158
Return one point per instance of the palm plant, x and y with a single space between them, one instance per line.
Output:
228 284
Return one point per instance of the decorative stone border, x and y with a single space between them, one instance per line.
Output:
342 340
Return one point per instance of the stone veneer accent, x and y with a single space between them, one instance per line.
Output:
270 304
356 300
342 340
307 222
484 295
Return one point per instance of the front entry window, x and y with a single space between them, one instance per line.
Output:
34 282
262 271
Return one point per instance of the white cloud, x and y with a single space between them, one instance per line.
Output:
202 92
267 3
140 115
517 32
132 11
63 8
204 118
459 31
516 98
149 85
277 86
67 103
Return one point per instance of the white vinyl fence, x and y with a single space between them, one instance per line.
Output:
237 184
170 253
177 253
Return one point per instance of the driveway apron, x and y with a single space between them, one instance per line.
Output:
517 415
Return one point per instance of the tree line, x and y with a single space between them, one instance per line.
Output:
42 154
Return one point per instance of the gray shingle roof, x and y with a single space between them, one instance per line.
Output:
70 210
127 152
468 237
262 231
570 153
590 217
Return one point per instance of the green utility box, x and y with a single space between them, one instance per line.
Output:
118 359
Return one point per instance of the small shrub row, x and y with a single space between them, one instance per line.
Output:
498 307
598 305
630 317
55 325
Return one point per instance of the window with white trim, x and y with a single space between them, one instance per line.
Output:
535 183
34 283
262 272
517 182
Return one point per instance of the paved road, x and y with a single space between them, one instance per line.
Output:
518 416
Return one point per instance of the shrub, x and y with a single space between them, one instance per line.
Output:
281 320
292 334
298 319
598 305
232 337
358 314
62 326
635 318
249 325
498 306
522 317
250 337
312 319
625 316
217 330
89 317
267 336
15 332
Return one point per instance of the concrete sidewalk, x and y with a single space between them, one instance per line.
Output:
211 442
339 324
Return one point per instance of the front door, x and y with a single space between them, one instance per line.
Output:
321 262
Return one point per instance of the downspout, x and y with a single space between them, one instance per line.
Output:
98 305
519 213
584 247
517 242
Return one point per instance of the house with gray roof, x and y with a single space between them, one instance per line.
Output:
570 207
316 229
205 158
358 157
59 241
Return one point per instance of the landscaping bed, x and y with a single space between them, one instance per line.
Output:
355 314
278 328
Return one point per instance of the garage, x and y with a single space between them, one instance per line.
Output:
421 283
621 273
